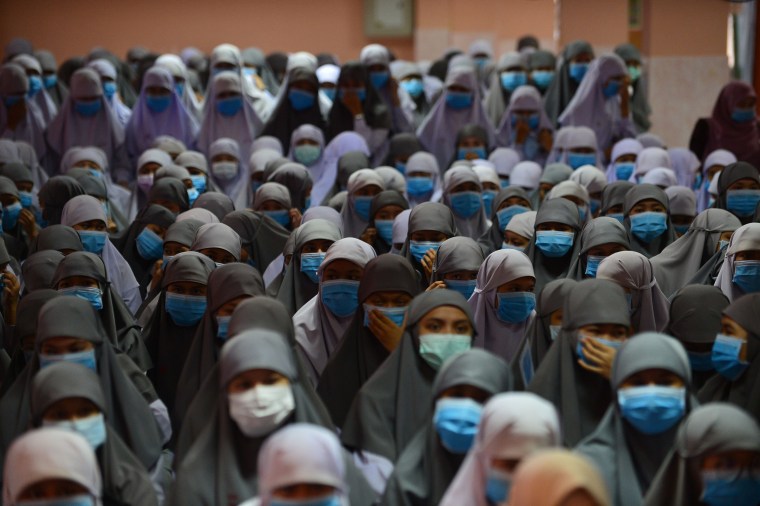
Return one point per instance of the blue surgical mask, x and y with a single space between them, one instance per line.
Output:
624 170
458 100
91 294
281 216
329 93
158 103
464 286
611 89
681 229
395 314
379 78
362 206
542 78
419 187
300 100
310 263
109 90
199 182
26 198
88 108
511 80
92 428
725 356
700 362
401 167
85 358
479 152
179 88
149 244
466 204
307 154
592 264
229 106
498 485
35 85
185 310
533 121
330 500
515 307
504 181
360 92
577 71
192 195
553 243
413 87
649 225
10 216
743 115
419 248
594 205
488 196
652 409
93 241
481 62
341 296
435 349
385 230
730 487
50 81
578 160
456 421
618 216
742 202
222 324
506 214
747 275
582 213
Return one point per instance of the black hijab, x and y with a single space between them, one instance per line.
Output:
284 118
376 112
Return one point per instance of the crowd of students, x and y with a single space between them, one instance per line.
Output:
238 279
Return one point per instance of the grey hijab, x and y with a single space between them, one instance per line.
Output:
38 269
125 480
57 237
538 336
457 254
614 195
477 225
634 196
563 87
428 216
393 404
218 236
263 238
425 469
497 98
353 224
120 326
602 230
221 465
218 203
744 391
695 312
580 396
627 458
546 269
708 430
296 288
681 260
225 283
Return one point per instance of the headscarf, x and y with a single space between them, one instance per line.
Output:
425 469
524 98
218 203
428 216
504 159
512 426
167 342
581 397
439 131
599 231
318 170
679 262
627 458
746 237
634 196
614 195
721 158
493 238
501 338
621 148
329 182
58 238
38 269
384 199
296 178
285 119
260 236
640 109
51 454
145 125
648 159
743 391
497 97
633 272
708 430
685 164
526 175
377 114
546 269
456 254
360 353
740 138
125 479
551 477
425 162
13 81
563 87
54 194
728 176
318 330
394 403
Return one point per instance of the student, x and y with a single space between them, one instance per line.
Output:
462 194
646 212
739 190
574 64
525 127
739 273
600 238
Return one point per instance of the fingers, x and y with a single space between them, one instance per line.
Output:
589 367
436 285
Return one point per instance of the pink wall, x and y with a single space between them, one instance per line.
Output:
73 27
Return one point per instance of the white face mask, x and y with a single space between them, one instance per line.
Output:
262 409
224 170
